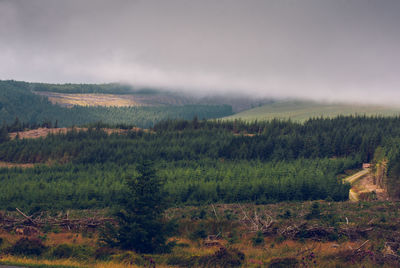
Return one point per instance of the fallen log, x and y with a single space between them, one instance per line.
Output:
27 217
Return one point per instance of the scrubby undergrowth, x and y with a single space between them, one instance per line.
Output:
295 234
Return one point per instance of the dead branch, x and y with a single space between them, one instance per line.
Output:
257 223
26 217
363 244
215 212
9 222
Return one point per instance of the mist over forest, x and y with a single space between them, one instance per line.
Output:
182 133
331 50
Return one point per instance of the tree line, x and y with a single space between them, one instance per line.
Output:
355 137
81 186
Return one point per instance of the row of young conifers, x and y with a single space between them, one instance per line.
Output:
199 161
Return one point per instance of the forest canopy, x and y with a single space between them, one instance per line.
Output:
202 161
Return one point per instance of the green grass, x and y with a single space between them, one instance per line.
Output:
300 111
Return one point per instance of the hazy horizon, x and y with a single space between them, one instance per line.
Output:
333 50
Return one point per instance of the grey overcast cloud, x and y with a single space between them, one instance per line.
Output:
335 50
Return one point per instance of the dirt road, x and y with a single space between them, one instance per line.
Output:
353 196
355 177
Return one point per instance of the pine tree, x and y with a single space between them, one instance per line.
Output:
4 134
140 222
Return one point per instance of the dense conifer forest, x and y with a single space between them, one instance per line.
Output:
111 88
200 161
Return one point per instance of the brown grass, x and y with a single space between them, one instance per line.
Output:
43 132
69 238
11 165
70 100
65 262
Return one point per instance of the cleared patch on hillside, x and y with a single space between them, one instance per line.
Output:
137 99
43 132
19 165
69 100
301 111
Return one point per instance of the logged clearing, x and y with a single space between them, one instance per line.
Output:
69 100
43 132
301 111
11 165
298 234
91 99
39 132
136 99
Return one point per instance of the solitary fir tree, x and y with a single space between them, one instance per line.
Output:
141 226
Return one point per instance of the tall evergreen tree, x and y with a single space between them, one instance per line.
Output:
140 221
4 134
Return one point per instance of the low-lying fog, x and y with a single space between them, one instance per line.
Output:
335 50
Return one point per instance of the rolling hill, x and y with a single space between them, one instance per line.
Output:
19 103
300 111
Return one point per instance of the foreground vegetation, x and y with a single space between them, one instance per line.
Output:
310 234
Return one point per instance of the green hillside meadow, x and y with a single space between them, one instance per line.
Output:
301 111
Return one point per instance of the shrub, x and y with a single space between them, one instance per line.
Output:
82 252
223 258
315 212
62 251
46 228
287 214
65 251
182 245
128 258
258 239
202 214
233 237
229 215
332 219
199 233
182 261
103 253
43 237
28 247
350 256
283 263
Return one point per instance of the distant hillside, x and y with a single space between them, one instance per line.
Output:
117 94
18 101
302 110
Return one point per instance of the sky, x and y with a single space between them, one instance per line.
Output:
332 50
